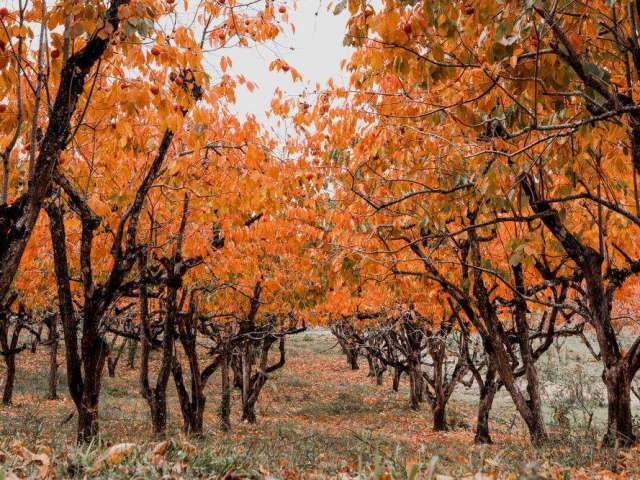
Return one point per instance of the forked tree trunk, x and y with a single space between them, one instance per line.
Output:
599 291
346 344
439 386
530 409
156 396
193 400
253 383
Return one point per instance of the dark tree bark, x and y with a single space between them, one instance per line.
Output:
379 369
156 396
529 410
411 341
252 345
66 309
84 370
372 366
352 359
192 405
488 386
193 400
9 379
236 369
620 419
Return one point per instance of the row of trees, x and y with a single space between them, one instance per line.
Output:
439 355
483 163
136 203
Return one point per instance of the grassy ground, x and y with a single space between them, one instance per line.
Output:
318 418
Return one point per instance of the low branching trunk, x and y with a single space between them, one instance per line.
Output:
254 382
600 284
344 334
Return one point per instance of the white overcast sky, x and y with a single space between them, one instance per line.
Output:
315 50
